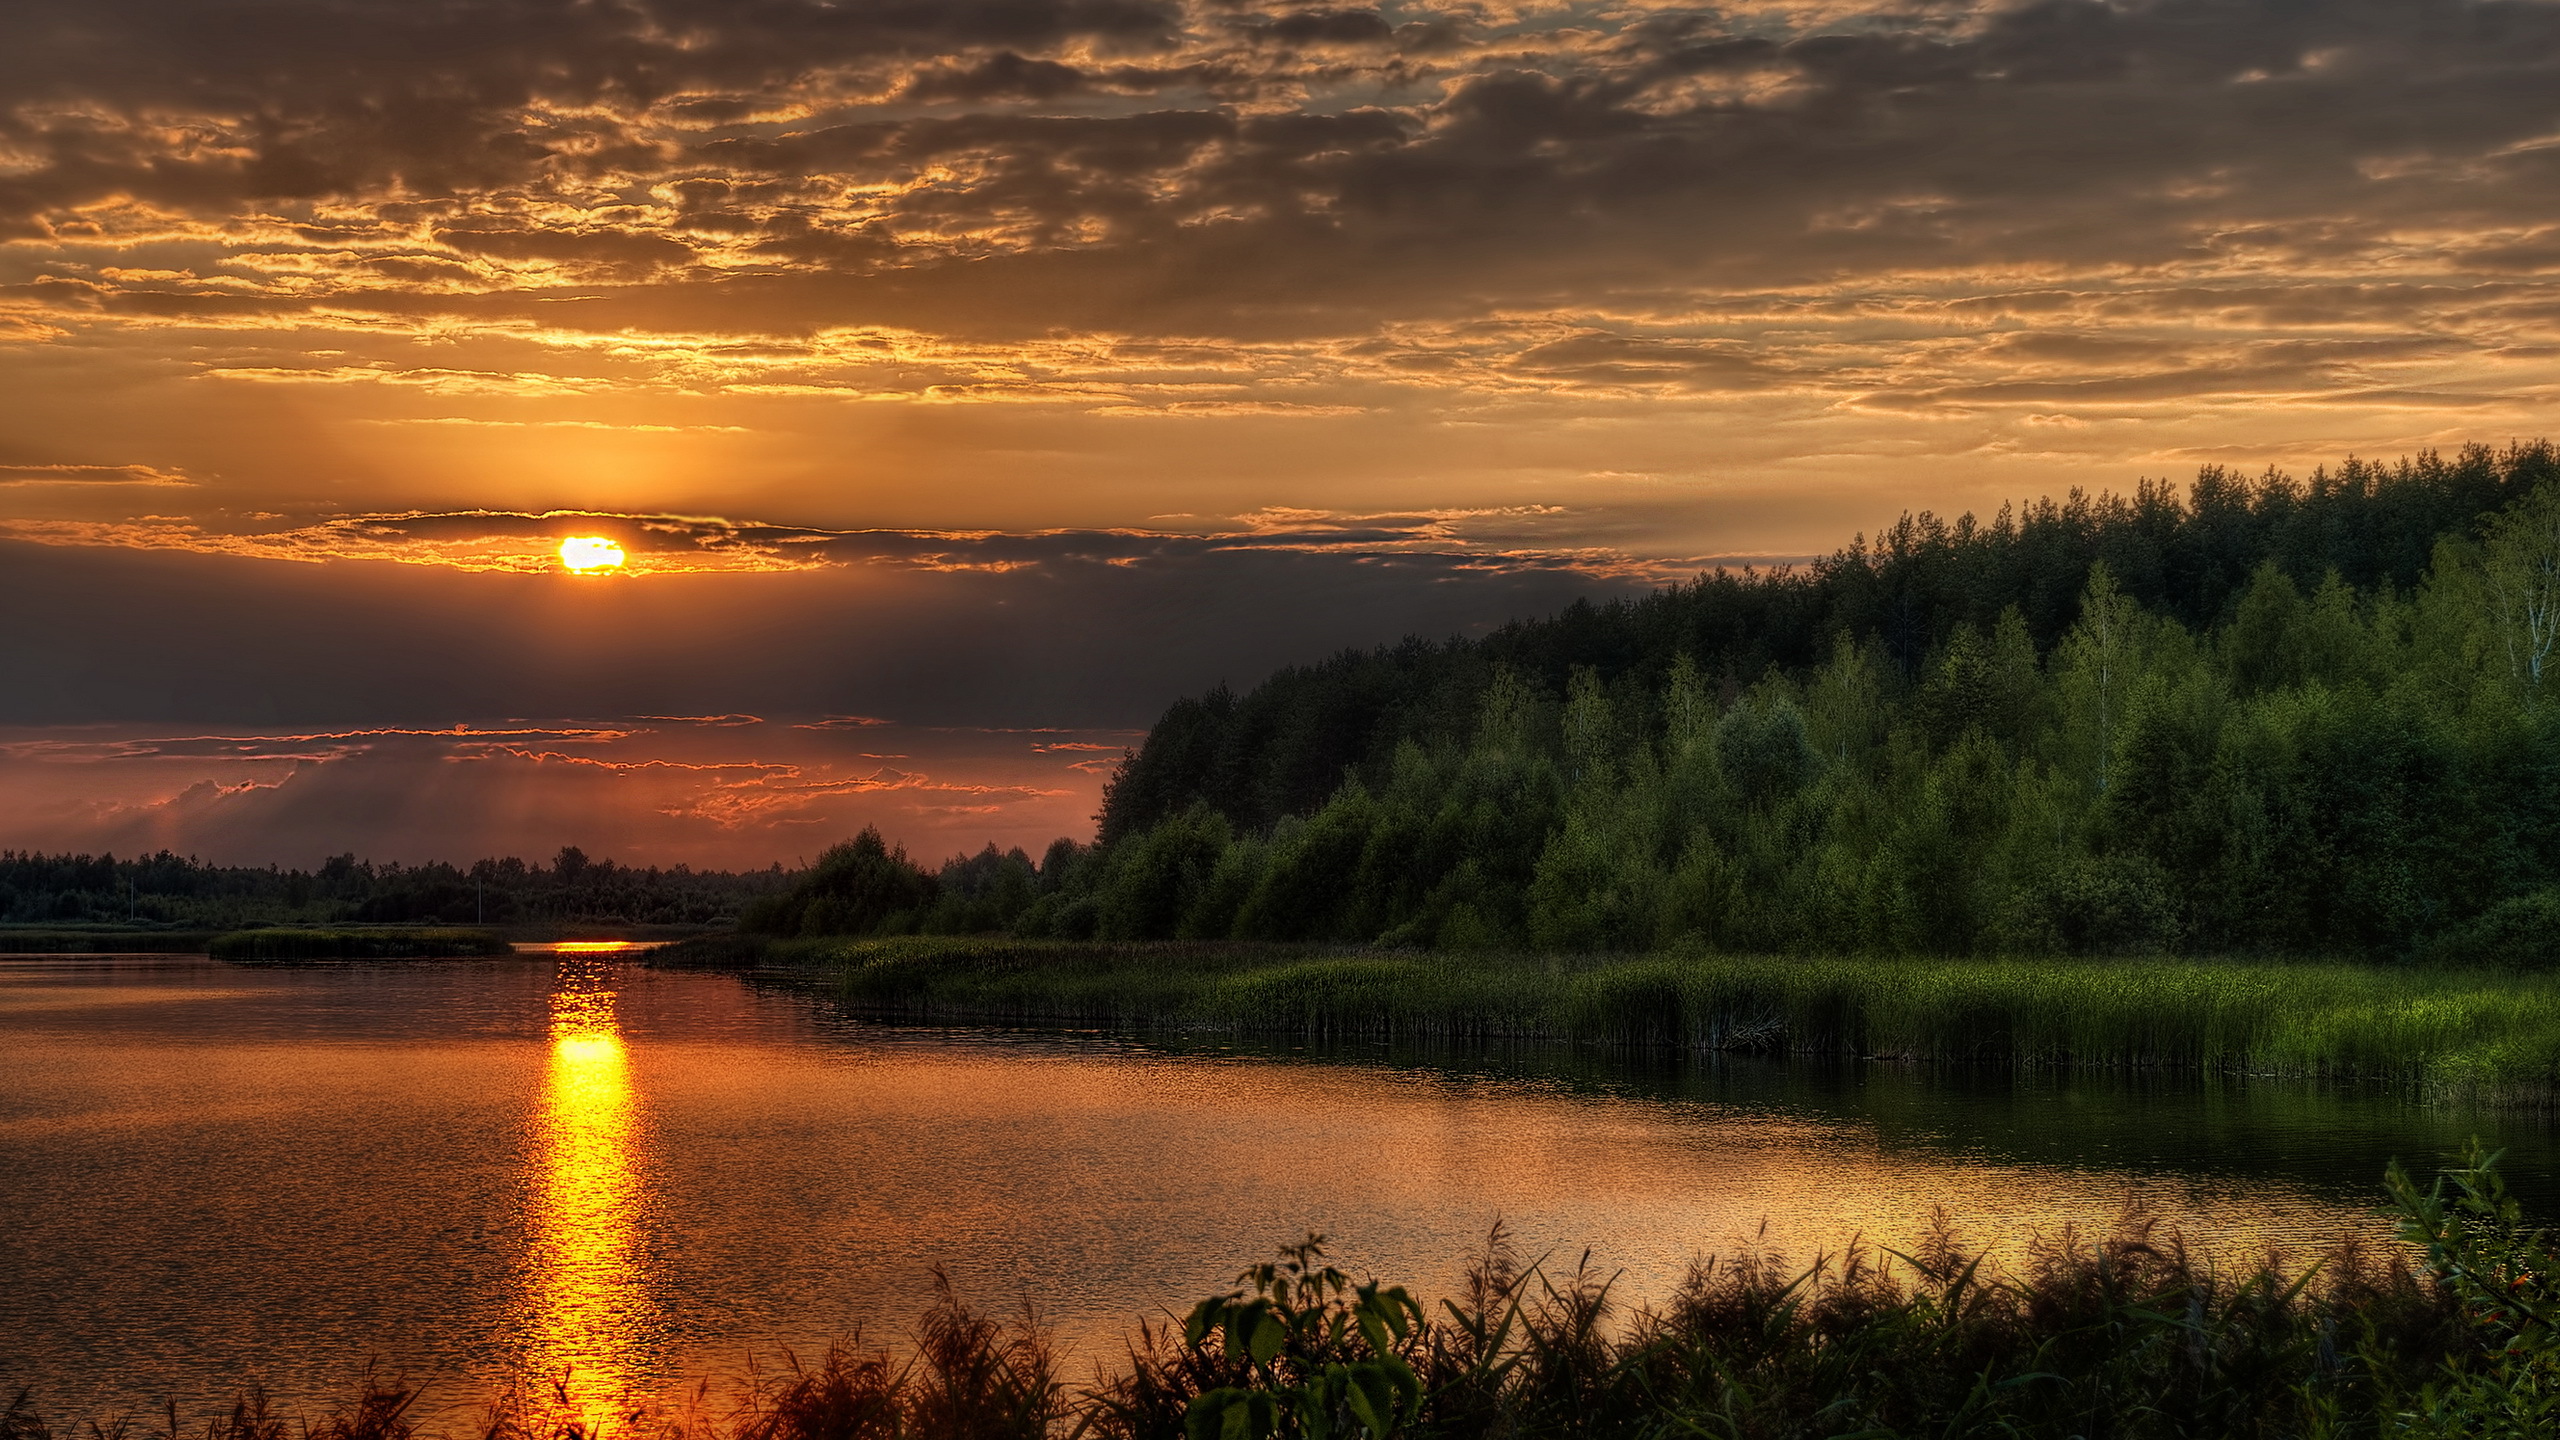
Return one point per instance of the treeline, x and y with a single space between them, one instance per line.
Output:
2265 716
867 886
171 891
1283 748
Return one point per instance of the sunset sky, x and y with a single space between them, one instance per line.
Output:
965 379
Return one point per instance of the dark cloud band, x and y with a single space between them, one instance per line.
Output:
1517 539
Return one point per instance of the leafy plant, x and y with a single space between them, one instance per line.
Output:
2501 1273
1313 1356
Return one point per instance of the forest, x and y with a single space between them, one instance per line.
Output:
2257 716
175 892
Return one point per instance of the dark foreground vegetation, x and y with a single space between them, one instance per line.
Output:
277 946
99 895
2125 1337
2477 1035
2260 717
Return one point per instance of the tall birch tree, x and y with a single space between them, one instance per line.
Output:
2523 572
2100 662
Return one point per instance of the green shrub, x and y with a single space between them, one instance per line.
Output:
2523 933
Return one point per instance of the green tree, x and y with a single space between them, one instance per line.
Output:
1590 731
2101 660
1762 749
1688 710
1154 879
2523 570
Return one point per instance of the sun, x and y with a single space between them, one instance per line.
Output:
586 554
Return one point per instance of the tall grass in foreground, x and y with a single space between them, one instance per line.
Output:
2125 1337
2481 1034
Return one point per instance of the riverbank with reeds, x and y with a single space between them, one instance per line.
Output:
26 940
284 947
2477 1034
2123 1337
272 944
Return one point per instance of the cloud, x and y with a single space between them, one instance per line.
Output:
1020 168
1449 541
27 475
877 333
648 798
1066 638
321 745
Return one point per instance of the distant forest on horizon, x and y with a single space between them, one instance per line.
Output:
167 891
2260 714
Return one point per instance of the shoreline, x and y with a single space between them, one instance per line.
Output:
2476 1036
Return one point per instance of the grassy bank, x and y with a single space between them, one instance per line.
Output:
286 946
552 931
2490 1034
110 942
2124 1337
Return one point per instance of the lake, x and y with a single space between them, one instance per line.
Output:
212 1175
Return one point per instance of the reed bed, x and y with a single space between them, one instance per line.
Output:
2125 1336
286 946
103 942
2472 1034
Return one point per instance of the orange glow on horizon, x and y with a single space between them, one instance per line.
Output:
588 554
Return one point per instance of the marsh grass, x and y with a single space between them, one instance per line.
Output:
2470 1034
21 941
287 946
379 1411
2128 1335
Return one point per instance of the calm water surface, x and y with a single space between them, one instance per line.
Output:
212 1174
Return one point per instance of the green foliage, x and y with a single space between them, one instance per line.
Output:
861 887
1762 749
2489 1035
2262 718
981 892
2523 932
2084 905
1153 881
2504 1380
2523 573
1306 1354
1282 748
2303 748
1587 895
1310 877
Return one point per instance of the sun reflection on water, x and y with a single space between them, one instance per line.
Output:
588 1307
